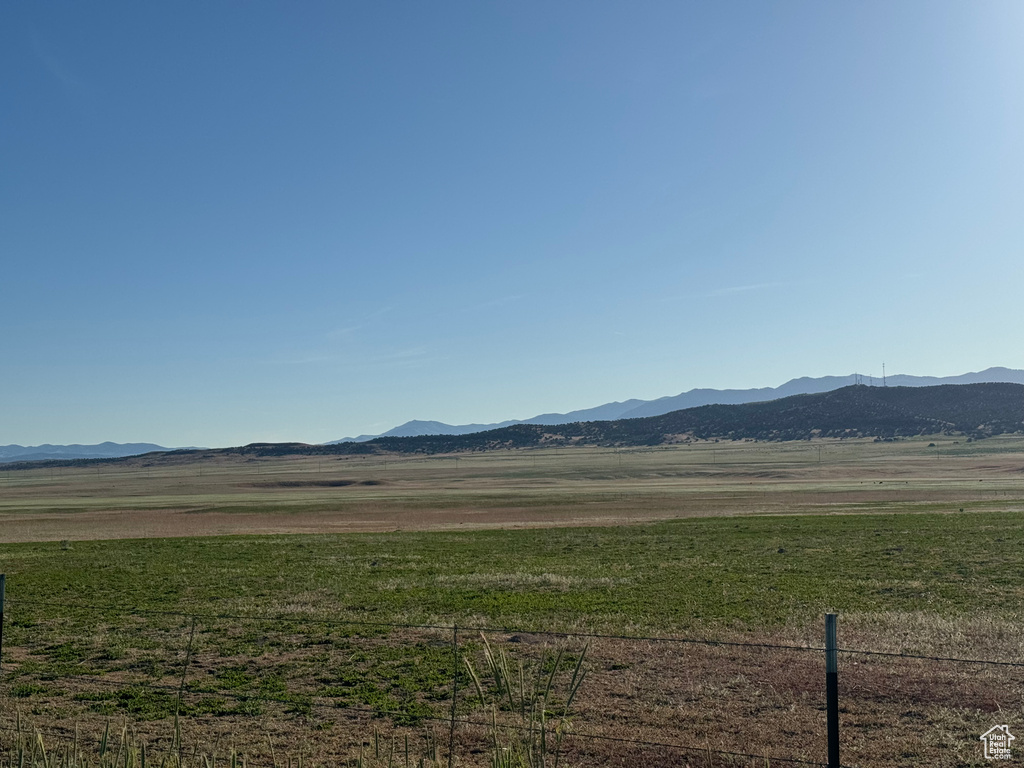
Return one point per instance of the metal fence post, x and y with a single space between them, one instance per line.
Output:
832 689
3 585
455 691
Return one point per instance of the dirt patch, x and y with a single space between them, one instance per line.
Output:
312 483
663 703
170 523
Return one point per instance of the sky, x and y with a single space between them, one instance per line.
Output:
227 222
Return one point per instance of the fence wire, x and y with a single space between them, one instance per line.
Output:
321 702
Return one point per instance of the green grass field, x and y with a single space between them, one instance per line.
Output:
742 573
102 628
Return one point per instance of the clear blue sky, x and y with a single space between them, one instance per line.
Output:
229 222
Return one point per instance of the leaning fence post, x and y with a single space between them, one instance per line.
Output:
832 689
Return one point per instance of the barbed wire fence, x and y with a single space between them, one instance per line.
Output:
636 716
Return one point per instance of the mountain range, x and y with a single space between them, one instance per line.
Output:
633 409
47 452
857 411
609 412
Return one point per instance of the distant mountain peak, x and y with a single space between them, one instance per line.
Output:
48 452
853 412
634 409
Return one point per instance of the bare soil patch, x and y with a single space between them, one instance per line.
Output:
661 702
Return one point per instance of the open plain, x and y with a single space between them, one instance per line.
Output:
199 494
311 603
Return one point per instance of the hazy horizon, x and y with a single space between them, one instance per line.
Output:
223 226
895 379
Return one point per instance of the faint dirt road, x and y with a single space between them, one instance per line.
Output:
166 523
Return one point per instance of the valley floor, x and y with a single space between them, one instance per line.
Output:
275 605
143 498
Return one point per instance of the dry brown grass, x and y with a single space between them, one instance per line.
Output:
894 711
531 488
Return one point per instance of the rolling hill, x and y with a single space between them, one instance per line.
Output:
858 411
16 453
632 409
